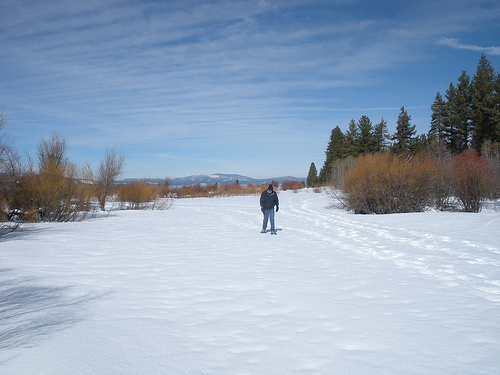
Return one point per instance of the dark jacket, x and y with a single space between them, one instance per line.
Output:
268 201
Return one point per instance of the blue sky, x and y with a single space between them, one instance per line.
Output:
249 87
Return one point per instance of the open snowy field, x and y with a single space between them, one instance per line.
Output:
198 290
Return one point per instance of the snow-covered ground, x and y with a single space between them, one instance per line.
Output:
198 290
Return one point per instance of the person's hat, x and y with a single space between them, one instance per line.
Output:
270 187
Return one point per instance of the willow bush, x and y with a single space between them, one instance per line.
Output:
385 183
136 196
473 180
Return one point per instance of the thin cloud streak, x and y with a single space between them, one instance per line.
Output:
455 43
155 73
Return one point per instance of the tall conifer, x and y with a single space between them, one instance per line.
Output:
460 114
364 142
351 139
380 135
484 120
312 176
450 130
405 133
439 118
335 150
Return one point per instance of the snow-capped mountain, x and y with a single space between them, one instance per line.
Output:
220 178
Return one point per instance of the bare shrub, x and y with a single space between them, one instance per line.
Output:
59 194
193 191
495 169
291 185
52 152
164 188
340 167
228 190
54 192
472 179
7 178
21 199
12 172
224 190
384 183
491 150
136 196
442 184
254 189
162 203
104 179
3 207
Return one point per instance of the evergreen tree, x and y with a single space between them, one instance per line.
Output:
459 105
450 130
312 176
421 144
405 132
439 118
334 150
463 111
484 114
351 139
380 135
364 142
496 104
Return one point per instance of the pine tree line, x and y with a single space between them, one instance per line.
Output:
362 137
468 117
469 114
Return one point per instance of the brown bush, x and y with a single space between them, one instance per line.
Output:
495 167
473 180
58 194
339 169
3 207
291 185
49 187
384 183
253 189
21 200
228 190
491 150
442 184
54 193
136 196
104 178
224 190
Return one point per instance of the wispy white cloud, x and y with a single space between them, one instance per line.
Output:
165 74
455 43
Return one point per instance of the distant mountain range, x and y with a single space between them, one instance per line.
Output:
219 178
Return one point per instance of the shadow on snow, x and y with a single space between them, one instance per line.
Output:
30 313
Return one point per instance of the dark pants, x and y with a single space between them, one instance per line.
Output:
268 215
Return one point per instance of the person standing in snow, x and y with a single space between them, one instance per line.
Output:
269 199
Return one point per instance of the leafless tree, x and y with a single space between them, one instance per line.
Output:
52 151
110 168
5 146
3 162
56 189
9 162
